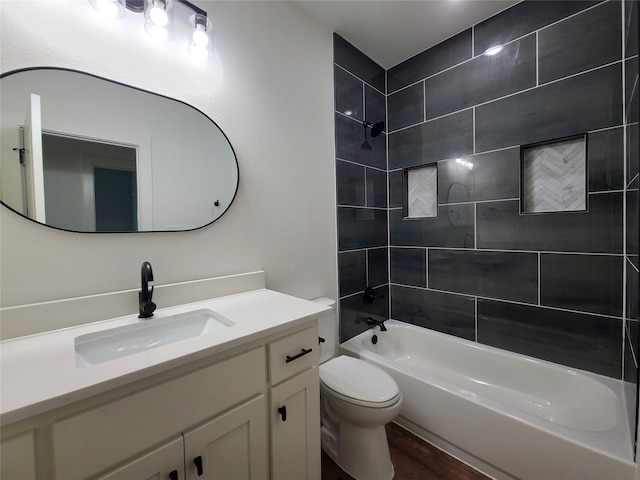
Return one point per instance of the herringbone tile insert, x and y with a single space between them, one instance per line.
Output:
423 192
554 177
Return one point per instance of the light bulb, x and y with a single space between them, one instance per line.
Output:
199 52
158 32
200 37
109 8
158 16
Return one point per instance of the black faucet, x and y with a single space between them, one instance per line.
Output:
377 323
147 307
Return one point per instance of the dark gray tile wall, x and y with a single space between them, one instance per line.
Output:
483 78
581 42
589 342
362 191
547 285
522 19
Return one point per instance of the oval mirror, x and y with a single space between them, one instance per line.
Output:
87 154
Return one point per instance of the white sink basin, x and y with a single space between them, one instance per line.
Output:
107 345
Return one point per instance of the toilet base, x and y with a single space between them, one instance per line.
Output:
361 452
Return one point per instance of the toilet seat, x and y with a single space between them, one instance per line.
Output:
358 382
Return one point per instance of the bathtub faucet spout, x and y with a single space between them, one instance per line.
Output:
377 323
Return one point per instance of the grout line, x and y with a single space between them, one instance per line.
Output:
597 130
501 250
513 302
473 40
603 192
426 267
473 125
573 15
475 225
631 263
361 207
475 315
431 120
355 76
361 165
539 269
633 353
366 266
633 92
364 104
366 198
424 96
537 62
352 295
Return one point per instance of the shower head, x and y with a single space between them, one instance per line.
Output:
365 145
376 128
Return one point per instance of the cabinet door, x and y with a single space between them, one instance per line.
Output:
230 447
295 428
18 457
164 463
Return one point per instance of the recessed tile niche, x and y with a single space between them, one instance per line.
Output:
554 176
422 192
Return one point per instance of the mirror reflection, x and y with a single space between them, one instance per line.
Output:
86 154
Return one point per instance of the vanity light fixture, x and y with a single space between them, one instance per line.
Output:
158 20
493 50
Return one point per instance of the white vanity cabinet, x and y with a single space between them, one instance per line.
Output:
295 407
215 417
165 462
232 446
17 457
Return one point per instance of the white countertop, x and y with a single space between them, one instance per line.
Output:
39 373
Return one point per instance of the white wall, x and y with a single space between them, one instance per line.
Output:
274 101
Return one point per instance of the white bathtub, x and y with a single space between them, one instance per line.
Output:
509 415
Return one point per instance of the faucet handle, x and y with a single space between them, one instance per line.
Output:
369 295
147 308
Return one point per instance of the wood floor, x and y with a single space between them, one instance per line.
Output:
413 459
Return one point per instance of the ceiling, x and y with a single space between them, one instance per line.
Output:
391 31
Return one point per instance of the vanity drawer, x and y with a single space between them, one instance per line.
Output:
293 354
95 440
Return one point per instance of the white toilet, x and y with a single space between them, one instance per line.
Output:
357 400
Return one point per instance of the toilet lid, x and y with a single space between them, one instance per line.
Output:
359 380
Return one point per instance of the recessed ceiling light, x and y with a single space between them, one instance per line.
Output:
493 50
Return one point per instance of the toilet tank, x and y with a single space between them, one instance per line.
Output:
327 329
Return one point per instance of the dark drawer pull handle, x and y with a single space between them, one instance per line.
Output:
301 354
283 412
198 463
173 475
